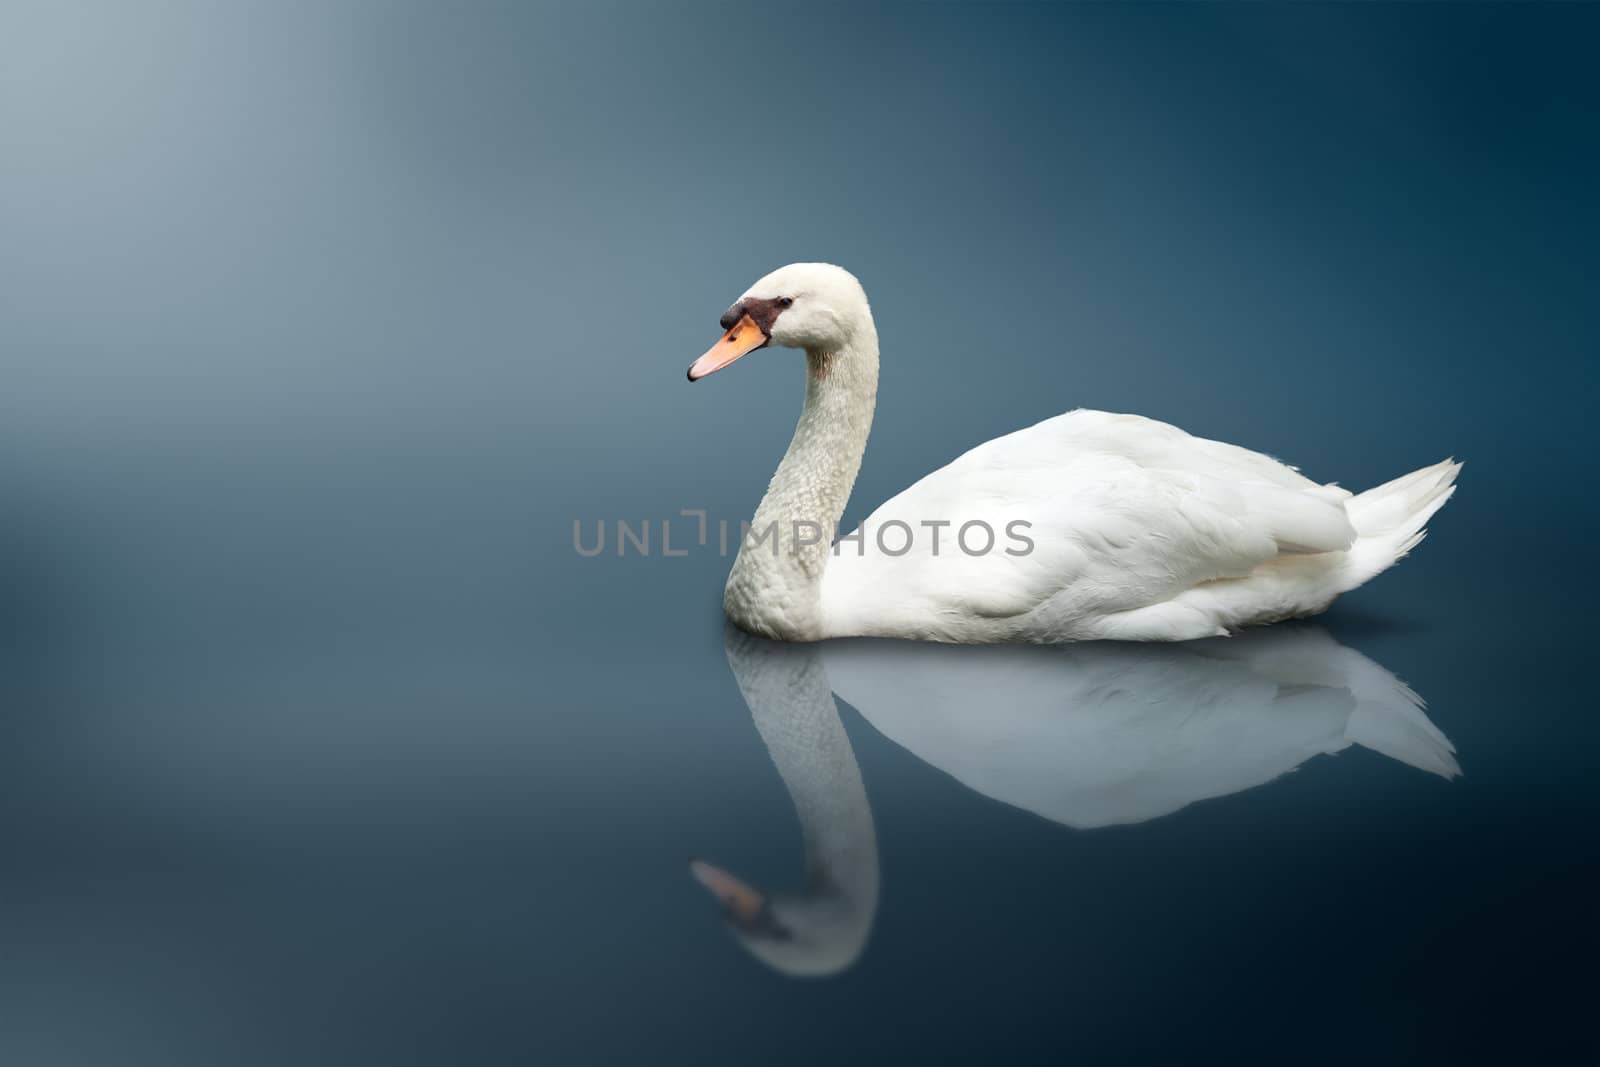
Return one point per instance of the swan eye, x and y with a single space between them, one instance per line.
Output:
785 301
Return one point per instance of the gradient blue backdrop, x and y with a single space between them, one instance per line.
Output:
320 324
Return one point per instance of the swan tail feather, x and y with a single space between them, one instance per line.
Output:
1391 519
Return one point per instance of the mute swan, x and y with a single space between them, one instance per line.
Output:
1084 526
1089 736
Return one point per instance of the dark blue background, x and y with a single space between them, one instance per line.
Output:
320 324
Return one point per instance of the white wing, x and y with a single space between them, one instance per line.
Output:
1123 513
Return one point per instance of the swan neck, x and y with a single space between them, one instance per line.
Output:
775 586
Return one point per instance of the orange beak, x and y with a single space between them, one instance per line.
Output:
744 338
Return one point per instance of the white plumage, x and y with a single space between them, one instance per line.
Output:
1131 529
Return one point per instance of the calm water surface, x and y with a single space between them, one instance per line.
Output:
319 797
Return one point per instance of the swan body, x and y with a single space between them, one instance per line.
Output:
1085 526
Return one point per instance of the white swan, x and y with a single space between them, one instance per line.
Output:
1089 736
1138 531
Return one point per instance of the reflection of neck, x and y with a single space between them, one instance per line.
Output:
774 587
787 691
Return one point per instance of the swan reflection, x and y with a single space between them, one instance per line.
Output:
1087 735
822 928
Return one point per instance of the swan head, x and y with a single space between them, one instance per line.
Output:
803 936
814 306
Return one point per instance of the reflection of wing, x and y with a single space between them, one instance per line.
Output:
1100 734
1388 716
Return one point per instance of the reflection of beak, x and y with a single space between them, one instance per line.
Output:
743 903
745 337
